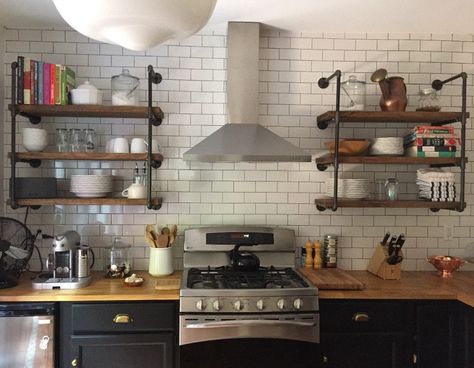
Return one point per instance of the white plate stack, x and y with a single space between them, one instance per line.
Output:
390 146
349 188
91 186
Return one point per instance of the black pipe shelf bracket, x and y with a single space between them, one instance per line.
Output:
324 83
438 85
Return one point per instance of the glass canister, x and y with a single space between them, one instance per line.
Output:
428 100
118 263
125 89
392 188
353 94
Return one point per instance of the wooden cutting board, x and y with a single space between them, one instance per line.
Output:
332 279
168 284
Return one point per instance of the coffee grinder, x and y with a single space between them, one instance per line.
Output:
68 264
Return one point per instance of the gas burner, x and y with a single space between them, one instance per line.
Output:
225 277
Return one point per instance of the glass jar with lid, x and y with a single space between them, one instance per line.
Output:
428 100
352 94
118 261
125 89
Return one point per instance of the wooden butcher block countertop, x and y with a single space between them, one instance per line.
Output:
100 289
412 285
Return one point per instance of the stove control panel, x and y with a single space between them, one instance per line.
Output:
248 304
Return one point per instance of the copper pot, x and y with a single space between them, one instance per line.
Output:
394 91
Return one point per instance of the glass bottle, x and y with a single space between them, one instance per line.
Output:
353 94
124 89
428 100
119 263
391 188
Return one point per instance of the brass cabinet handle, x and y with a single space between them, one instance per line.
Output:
74 363
122 318
361 317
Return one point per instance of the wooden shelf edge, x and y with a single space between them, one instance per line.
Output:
441 117
363 203
97 111
85 201
328 159
91 156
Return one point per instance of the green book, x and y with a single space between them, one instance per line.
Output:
68 82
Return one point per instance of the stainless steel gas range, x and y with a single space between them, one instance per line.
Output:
240 282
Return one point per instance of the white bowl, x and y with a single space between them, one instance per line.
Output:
35 146
86 97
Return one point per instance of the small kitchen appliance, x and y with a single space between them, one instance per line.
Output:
69 264
240 282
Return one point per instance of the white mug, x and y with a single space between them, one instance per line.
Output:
136 191
120 145
138 145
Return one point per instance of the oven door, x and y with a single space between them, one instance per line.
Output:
231 341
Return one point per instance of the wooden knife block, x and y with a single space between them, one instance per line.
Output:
378 265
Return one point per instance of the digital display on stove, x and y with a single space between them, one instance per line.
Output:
243 238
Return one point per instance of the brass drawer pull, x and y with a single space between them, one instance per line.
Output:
74 363
361 317
122 318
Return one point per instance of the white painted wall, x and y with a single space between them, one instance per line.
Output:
193 98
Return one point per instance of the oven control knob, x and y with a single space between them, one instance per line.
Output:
298 303
281 303
260 305
238 305
200 305
216 305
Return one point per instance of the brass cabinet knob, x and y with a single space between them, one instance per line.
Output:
74 363
122 318
361 317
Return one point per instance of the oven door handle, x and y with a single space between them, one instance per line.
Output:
250 323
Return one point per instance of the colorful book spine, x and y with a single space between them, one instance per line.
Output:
27 81
68 82
436 141
52 79
40 82
46 84
19 80
436 148
57 85
436 154
32 81
428 129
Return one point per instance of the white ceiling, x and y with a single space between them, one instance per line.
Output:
426 16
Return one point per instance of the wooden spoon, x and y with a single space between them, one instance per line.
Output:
163 241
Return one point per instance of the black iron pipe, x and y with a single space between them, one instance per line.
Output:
13 114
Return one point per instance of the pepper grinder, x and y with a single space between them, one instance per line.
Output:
309 254
318 261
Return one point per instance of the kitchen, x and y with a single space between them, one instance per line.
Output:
193 97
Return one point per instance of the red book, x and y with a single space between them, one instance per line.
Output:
32 81
46 84
52 78
27 81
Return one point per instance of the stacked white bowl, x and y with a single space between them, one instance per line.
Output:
390 146
34 139
91 186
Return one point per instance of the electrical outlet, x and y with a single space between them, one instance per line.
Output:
448 232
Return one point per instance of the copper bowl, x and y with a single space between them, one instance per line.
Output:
446 265
349 147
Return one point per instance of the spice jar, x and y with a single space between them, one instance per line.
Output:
428 100
353 94
124 89
119 263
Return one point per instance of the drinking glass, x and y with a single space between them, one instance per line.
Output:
89 140
62 142
380 193
391 187
76 140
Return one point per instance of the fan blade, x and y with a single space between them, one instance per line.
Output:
17 253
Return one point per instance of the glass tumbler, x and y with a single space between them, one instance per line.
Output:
391 188
62 140
380 193
89 140
76 140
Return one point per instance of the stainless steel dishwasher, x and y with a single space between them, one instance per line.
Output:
27 335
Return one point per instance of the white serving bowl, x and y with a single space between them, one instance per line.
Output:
34 139
86 94
35 146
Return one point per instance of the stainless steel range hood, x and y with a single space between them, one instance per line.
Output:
243 139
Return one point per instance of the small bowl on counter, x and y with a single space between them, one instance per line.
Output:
446 265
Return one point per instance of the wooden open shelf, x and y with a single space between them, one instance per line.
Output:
86 201
86 111
418 117
326 203
328 159
91 156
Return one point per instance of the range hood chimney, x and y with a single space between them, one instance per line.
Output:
243 139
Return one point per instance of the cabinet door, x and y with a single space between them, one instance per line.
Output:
437 335
366 350
124 351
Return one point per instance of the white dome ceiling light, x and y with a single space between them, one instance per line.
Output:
136 25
